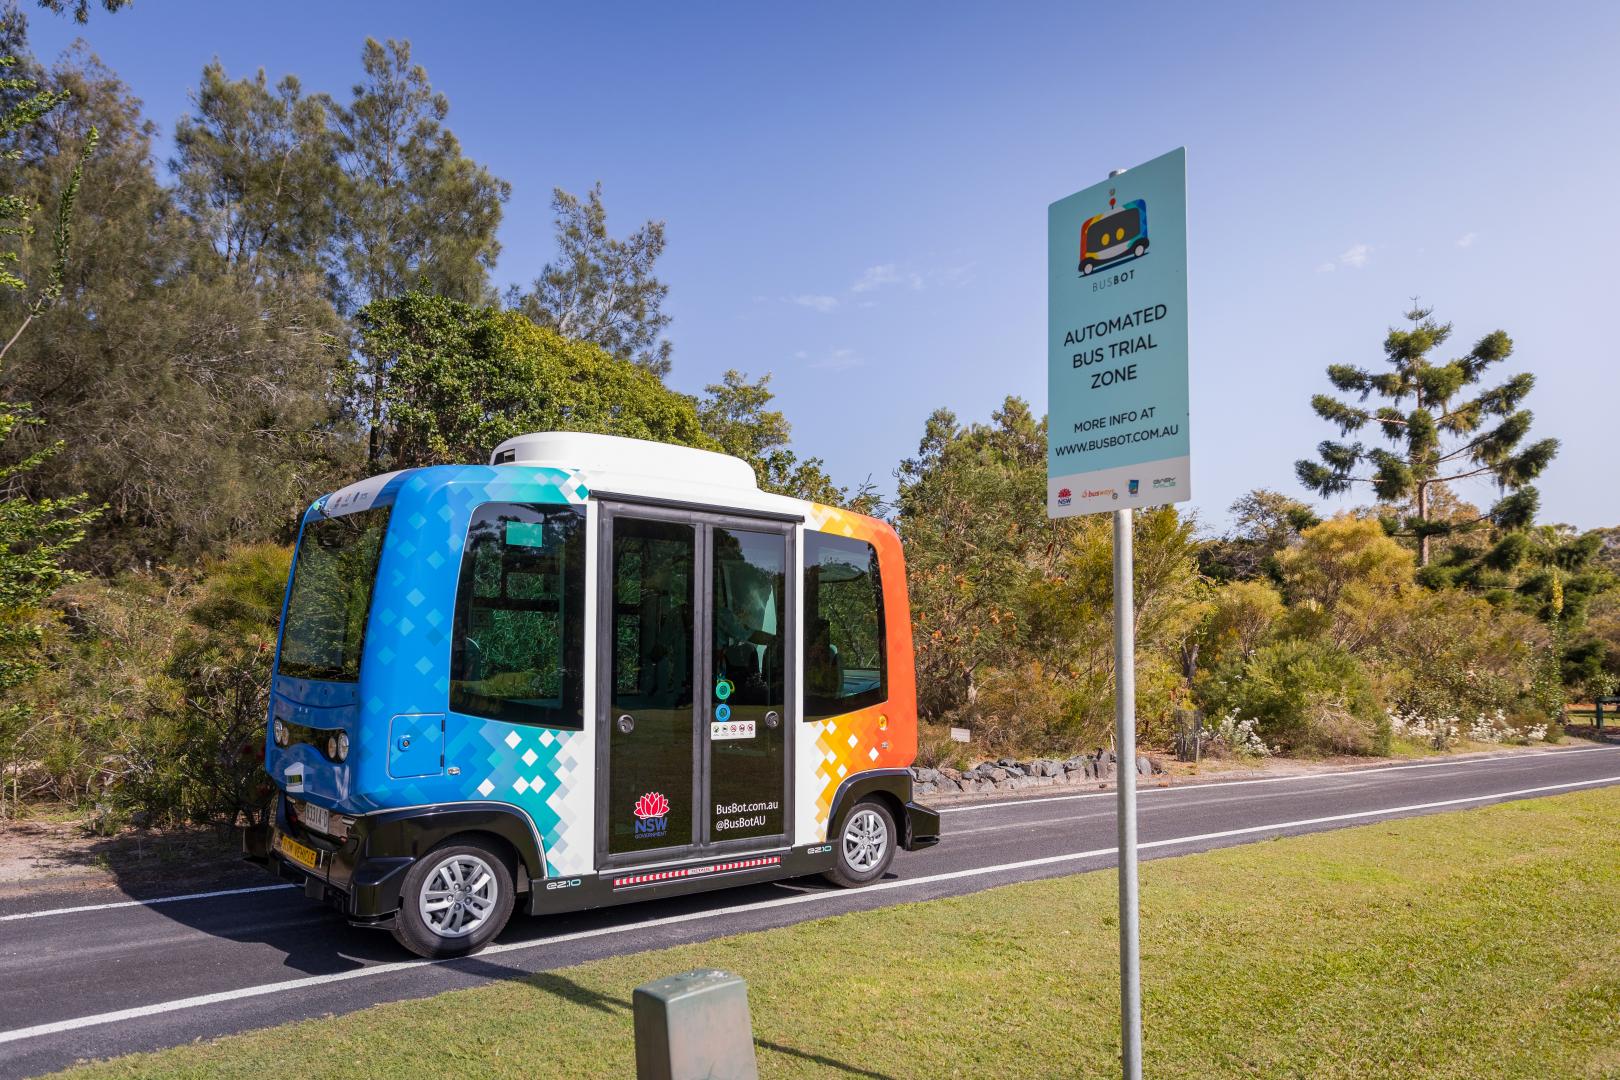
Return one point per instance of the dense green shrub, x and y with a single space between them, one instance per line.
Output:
221 663
154 702
1307 695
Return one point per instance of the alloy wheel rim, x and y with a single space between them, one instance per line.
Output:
866 838
459 896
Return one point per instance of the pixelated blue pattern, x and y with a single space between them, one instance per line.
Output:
405 668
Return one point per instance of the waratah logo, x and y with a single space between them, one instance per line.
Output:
652 804
652 816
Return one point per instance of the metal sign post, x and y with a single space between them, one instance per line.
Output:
1130 971
1117 410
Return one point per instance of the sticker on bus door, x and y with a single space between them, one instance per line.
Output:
652 816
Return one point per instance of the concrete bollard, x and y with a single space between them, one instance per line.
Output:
694 1026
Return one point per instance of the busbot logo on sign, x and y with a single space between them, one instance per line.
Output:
652 816
1114 236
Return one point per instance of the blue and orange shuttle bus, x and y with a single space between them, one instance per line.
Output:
593 671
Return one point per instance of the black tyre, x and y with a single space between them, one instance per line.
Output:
864 845
454 900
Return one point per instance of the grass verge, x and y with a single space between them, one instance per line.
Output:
1472 944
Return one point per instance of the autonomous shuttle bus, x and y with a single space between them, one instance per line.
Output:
593 671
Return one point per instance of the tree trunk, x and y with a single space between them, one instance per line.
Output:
1423 516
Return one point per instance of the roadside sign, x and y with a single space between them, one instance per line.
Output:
1117 343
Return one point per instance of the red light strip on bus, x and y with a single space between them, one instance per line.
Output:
694 871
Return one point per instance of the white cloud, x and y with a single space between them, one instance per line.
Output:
1467 239
953 275
1355 256
816 302
878 277
837 360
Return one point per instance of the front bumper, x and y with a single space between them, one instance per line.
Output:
333 871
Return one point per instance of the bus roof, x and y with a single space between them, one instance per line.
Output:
615 465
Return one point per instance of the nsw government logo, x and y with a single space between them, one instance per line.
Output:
652 816
1064 496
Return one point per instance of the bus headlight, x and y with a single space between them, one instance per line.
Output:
281 733
337 746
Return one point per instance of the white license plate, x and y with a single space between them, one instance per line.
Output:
315 817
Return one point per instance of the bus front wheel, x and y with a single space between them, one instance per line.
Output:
455 899
865 845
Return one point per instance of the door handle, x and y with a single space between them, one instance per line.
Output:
626 724
772 719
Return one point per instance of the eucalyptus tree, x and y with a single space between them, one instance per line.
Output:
601 289
256 168
736 413
414 213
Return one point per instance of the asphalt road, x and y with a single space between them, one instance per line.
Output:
81 982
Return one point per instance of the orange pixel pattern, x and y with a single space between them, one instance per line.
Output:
882 736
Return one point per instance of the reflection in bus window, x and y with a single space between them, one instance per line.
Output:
747 736
331 595
654 605
519 643
843 626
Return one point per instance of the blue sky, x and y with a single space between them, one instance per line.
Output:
856 195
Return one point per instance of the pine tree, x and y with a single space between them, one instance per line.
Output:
1438 435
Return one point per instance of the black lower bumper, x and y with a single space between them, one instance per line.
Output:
366 889
922 827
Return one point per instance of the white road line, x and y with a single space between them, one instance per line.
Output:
145 903
203 1000
943 810
1142 790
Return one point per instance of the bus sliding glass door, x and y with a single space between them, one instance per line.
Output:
695 646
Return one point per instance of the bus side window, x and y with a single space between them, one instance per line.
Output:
844 656
518 651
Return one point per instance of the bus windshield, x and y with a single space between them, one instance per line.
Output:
331 596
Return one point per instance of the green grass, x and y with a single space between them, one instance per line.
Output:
1474 944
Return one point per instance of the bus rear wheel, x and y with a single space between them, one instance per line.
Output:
454 900
865 845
